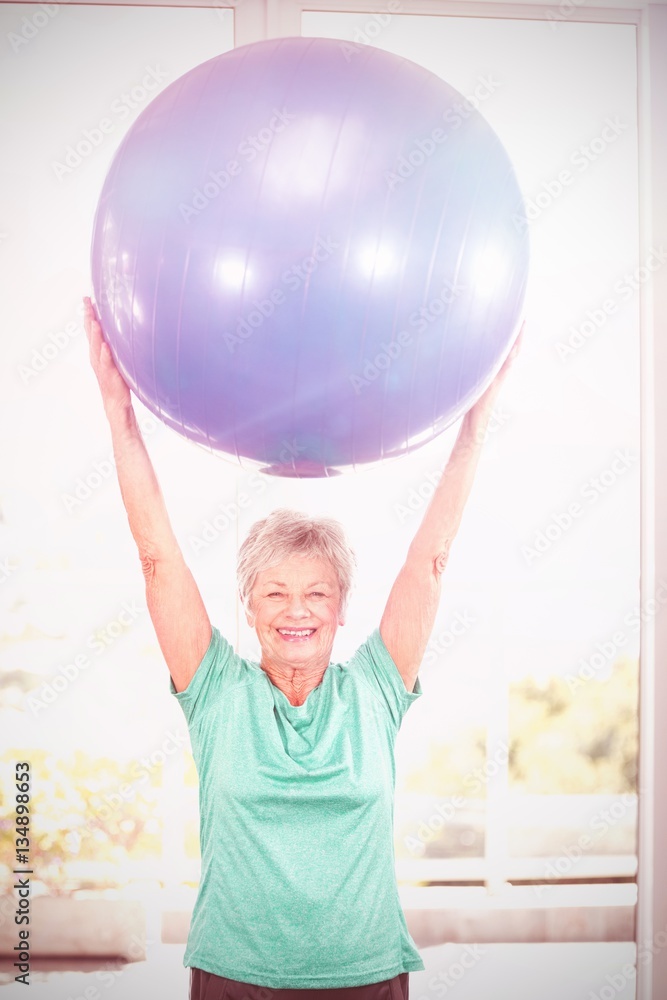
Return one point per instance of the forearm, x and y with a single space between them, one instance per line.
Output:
140 490
413 602
182 625
443 515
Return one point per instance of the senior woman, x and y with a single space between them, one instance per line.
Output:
295 754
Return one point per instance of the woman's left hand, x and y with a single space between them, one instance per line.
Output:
487 398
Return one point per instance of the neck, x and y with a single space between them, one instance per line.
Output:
296 683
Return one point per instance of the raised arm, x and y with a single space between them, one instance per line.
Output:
412 606
175 605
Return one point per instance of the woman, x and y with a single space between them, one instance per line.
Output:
294 754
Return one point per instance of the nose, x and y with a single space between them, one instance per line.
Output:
297 607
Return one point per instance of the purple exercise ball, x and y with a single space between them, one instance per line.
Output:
310 255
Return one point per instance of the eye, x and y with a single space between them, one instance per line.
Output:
275 593
317 593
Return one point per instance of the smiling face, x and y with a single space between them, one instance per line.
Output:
295 612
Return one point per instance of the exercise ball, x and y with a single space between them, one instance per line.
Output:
309 255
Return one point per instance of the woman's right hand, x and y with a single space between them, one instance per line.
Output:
115 392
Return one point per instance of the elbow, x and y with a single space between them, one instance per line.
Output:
431 561
151 557
148 563
157 566
440 562
441 557
154 554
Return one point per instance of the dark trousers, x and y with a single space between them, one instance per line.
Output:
207 986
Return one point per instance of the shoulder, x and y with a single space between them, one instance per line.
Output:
374 667
220 669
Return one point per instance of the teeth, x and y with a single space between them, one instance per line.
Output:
286 631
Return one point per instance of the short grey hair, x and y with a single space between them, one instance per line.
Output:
286 532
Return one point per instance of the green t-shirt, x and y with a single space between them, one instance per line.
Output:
298 884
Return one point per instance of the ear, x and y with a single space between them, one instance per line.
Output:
249 616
